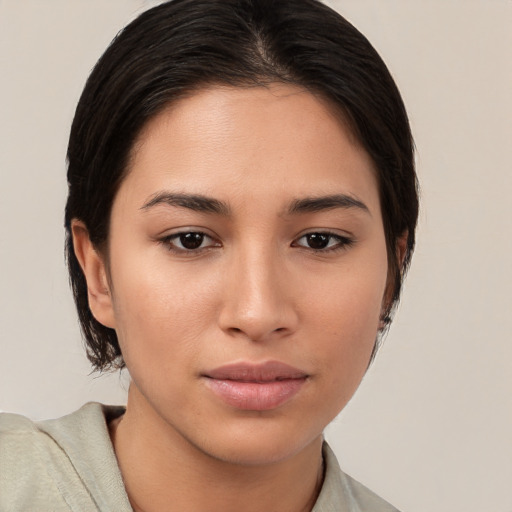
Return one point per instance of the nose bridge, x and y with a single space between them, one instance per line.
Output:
256 301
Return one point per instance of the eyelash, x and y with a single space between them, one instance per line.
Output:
168 242
341 242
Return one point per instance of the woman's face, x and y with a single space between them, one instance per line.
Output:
247 270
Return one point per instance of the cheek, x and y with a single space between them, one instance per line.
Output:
160 311
348 301
344 322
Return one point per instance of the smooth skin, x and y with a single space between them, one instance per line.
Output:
282 258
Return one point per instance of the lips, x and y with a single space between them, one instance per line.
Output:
256 387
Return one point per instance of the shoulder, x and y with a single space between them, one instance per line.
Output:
53 464
342 493
13 426
21 444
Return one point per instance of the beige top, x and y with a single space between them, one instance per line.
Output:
68 464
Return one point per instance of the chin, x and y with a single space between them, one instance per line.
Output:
257 443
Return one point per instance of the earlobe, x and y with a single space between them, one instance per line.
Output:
401 249
400 254
93 267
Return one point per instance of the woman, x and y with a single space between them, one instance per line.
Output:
241 211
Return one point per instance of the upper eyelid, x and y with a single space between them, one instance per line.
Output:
172 232
327 231
343 241
179 233
169 242
208 233
172 236
176 232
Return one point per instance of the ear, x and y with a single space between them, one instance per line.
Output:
400 252
93 267
401 248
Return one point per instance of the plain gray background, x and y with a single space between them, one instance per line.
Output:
430 428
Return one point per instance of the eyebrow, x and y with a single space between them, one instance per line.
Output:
205 204
315 204
196 202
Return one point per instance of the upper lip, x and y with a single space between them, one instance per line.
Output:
256 372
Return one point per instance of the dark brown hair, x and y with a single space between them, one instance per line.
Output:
182 45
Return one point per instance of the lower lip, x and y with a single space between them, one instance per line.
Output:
255 396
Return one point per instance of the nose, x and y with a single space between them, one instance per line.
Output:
258 301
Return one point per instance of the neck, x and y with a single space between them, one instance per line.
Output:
163 471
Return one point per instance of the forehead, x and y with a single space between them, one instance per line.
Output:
226 140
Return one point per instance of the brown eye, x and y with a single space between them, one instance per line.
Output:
191 241
318 240
323 241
